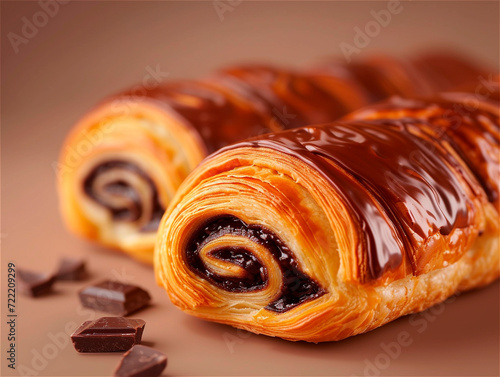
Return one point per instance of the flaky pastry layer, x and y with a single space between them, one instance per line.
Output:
325 232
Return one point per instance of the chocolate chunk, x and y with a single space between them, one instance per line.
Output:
71 269
108 334
33 283
141 361
114 297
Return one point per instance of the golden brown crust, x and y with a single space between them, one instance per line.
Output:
123 162
311 192
162 147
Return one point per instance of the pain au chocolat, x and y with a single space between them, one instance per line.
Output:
123 162
320 233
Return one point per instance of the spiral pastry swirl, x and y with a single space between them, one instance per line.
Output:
123 162
320 233
221 253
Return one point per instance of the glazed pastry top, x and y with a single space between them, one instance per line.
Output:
409 183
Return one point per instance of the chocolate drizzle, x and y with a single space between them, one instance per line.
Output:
215 113
460 120
469 140
244 102
297 287
121 188
401 189
290 99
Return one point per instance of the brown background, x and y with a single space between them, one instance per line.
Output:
91 49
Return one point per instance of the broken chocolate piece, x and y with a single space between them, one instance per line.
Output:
141 361
71 269
33 283
108 334
114 297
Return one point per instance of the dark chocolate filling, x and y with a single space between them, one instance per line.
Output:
400 188
297 287
122 188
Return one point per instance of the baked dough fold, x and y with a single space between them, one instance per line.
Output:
320 233
123 162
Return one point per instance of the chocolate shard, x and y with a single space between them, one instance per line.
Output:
108 334
33 283
71 269
114 297
141 361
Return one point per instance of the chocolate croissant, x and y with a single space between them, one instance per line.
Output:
123 162
320 233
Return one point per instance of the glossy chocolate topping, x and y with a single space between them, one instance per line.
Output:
401 189
246 101
297 286
292 99
382 76
447 70
474 133
466 122
217 115
121 188
378 84
243 102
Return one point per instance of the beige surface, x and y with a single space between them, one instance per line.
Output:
89 50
